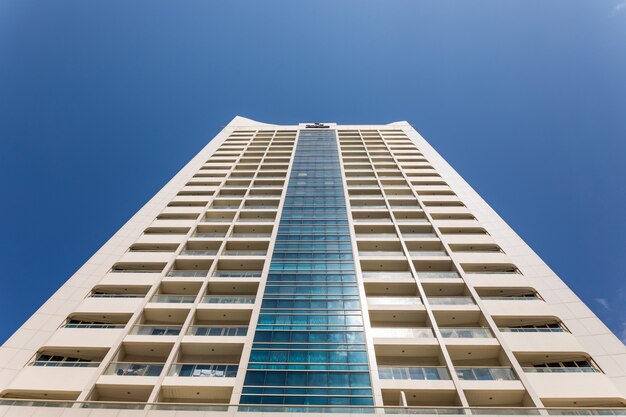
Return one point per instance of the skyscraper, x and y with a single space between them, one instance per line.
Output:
314 268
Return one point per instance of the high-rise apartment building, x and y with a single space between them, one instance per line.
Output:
313 268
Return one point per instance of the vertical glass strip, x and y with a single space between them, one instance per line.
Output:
309 346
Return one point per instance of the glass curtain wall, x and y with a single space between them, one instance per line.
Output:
309 346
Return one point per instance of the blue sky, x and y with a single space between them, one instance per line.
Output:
101 102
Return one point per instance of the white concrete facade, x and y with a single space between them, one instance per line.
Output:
447 289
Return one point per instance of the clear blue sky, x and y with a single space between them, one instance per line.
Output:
101 102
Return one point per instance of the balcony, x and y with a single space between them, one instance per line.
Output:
393 301
485 272
209 235
140 255
538 340
568 386
514 306
485 374
172 298
134 369
414 373
155 330
451 301
218 331
221 299
203 370
54 377
387 276
465 332
437 275
86 335
402 332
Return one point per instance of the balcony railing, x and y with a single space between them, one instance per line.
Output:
547 370
418 253
134 369
155 330
204 370
402 332
486 374
216 220
115 295
415 220
279 408
171 298
218 299
441 274
382 301
66 364
419 235
245 252
387 275
416 373
493 273
217 331
254 235
237 274
379 220
208 235
187 273
467 332
533 330
259 207
413 208
187 252
530 298
141 250
380 253
94 326
376 235
451 301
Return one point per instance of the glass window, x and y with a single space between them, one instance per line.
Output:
275 378
298 379
360 379
318 379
